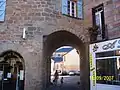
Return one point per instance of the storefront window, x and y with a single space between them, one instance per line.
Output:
108 70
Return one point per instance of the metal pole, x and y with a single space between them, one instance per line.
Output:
17 87
3 78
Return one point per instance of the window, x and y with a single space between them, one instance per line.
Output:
108 71
98 19
72 8
2 10
108 68
58 55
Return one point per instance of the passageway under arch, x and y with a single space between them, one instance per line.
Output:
65 38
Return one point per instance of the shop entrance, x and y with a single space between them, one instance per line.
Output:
11 72
105 65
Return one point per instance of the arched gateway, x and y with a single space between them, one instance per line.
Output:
11 71
62 38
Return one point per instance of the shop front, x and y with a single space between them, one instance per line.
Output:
11 72
105 65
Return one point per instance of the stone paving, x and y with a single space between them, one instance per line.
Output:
70 83
64 87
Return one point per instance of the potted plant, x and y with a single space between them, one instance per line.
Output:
93 32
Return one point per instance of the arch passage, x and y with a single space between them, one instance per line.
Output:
62 38
11 71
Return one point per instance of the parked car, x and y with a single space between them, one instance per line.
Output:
77 73
71 73
64 73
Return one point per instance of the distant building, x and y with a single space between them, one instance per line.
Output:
71 61
58 58
59 66
65 59
52 66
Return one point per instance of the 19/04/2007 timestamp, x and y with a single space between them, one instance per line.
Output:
106 78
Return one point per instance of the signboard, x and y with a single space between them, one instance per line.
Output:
21 75
105 46
8 75
92 72
109 45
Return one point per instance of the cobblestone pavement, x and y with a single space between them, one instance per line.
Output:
70 83
64 87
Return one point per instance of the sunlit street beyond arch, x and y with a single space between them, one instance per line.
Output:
66 61
70 83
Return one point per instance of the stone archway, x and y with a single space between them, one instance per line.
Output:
62 38
12 69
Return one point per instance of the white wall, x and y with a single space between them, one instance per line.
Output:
72 58
107 87
52 65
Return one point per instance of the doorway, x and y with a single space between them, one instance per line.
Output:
11 71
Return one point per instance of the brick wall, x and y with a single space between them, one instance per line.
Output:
111 14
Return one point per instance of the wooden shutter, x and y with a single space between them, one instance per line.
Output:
79 9
64 7
2 9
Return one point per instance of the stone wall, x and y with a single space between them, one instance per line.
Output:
111 15
43 17
39 18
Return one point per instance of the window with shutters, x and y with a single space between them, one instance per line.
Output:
98 19
72 8
2 10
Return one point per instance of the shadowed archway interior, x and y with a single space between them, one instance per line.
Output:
12 69
65 38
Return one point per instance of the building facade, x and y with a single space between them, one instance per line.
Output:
71 61
65 59
58 57
104 13
30 31
103 63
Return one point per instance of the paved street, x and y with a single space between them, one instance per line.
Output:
70 83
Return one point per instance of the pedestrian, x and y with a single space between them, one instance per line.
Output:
61 80
56 77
